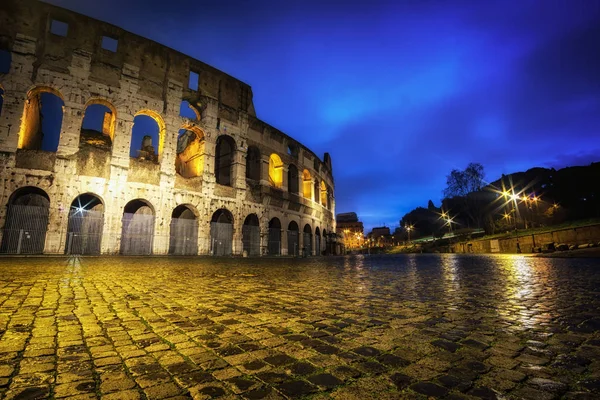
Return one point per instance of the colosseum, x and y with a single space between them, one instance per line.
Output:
111 143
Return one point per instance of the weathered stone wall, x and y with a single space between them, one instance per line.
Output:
140 77
576 236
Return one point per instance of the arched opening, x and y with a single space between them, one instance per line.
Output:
306 184
329 198
147 136
224 157
84 229
26 221
293 179
186 110
221 233
317 191
189 162
275 171
98 125
42 120
323 194
251 235
137 234
183 240
274 245
317 242
307 240
5 61
293 238
253 163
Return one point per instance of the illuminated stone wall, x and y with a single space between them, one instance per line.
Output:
141 76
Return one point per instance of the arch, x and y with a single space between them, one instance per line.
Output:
224 158
307 240
189 162
293 179
293 239
145 135
317 242
187 110
41 123
251 235
275 171
323 194
274 244
103 123
85 225
306 184
183 232
221 233
26 221
253 163
137 233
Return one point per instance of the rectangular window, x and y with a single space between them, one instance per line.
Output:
194 80
110 44
59 28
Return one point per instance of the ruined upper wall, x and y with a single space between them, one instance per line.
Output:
157 63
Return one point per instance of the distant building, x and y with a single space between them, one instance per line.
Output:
351 229
380 236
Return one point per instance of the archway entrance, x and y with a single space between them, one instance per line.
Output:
293 239
307 240
84 229
317 242
138 228
251 235
184 232
221 233
274 245
26 222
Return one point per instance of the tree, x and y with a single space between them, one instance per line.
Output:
464 188
461 183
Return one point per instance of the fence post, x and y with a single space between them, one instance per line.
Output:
20 241
69 242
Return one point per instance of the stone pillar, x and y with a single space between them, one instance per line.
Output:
284 239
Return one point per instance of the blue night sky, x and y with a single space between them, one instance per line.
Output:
400 92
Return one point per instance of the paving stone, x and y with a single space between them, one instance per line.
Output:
429 389
296 388
325 380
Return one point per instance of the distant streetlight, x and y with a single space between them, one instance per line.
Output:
408 229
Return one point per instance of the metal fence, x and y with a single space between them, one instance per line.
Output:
307 244
183 239
137 234
221 235
25 230
84 232
251 240
293 243
274 243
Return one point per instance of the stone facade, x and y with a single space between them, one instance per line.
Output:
145 78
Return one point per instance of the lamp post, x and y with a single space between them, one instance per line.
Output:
408 229
512 197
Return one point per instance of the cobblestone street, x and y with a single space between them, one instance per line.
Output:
388 327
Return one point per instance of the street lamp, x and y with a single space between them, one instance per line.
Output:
513 200
408 229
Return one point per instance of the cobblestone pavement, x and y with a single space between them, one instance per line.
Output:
394 327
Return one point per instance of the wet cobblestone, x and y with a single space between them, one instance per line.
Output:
395 327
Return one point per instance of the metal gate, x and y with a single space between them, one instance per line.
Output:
84 231
293 243
317 245
221 235
274 245
307 244
183 237
25 230
251 239
137 234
